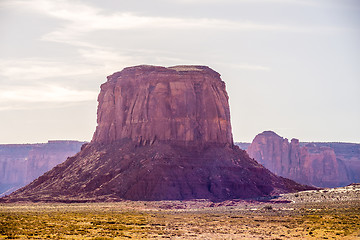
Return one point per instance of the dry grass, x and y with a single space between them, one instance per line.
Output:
150 220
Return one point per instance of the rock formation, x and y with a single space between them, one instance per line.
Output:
163 133
309 164
22 163
348 156
186 105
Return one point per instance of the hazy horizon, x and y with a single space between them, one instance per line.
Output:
290 66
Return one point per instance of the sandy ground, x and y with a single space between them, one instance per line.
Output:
318 214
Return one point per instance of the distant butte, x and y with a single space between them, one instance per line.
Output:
314 164
162 134
186 105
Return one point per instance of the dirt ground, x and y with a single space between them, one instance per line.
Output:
320 214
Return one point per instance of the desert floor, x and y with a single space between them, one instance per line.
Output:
318 214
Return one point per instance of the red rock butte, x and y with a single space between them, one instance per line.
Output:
182 104
309 164
162 134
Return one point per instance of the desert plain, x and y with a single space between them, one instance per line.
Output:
316 214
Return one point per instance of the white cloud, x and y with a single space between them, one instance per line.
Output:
297 2
32 69
44 93
27 81
104 55
81 18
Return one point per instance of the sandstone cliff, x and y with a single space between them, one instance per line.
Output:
309 164
348 155
183 104
22 163
163 133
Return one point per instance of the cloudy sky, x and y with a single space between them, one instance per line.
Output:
291 66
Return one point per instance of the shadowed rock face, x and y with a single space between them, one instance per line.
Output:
310 164
184 105
163 133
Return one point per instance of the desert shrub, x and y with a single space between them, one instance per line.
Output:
268 208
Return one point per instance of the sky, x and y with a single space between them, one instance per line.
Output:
290 66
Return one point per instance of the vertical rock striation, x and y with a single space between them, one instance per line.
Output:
185 105
309 164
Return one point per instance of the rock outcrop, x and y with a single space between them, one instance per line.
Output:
22 163
310 164
186 105
348 156
163 133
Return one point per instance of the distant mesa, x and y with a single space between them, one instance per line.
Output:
20 164
162 134
317 164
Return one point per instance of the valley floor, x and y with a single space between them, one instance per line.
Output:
320 214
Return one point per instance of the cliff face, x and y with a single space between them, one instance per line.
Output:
269 145
44 157
13 163
348 157
183 104
310 164
163 133
22 163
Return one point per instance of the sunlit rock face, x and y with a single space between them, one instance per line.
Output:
185 105
162 134
311 164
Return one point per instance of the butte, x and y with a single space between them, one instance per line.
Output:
162 134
